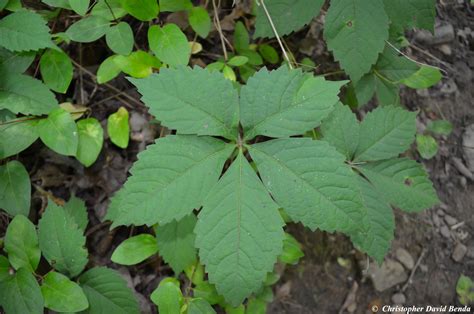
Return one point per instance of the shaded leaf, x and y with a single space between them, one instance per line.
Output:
57 70
59 132
120 39
118 127
91 138
15 189
61 294
21 244
169 44
135 250
21 294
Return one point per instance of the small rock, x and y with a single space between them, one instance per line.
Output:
468 143
436 220
459 252
446 49
440 212
444 230
450 220
391 273
462 168
399 298
405 258
423 268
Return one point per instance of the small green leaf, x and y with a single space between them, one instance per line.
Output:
441 127
76 209
254 57
21 244
215 66
59 132
118 128
269 53
200 306
291 250
108 70
109 9
208 292
138 64
168 296
237 61
143 10
425 77
229 73
88 29
57 70
17 136
62 295
16 188
119 38
21 294
235 310
175 5
169 44
241 37
91 138
135 250
427 146
200 21
256 306
464 285
80 7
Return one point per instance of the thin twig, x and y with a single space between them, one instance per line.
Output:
217 22
413 271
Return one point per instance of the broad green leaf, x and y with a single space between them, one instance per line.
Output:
233 231
17 136
23 31
57 70
356 31
394 67
200 306
402 182
181 100
138 64
61 294
107 292
287 15
425 77
406 14
118 127
341 130
4 269
285 102
135 250
200 21
14 5
108 70
91 138
61 241
426 145
21 294
269 53
59 132
144 10
169 44
15 189
109 9
21 244
23 94
291 250
88 29
164 187
176 243
175 5
377 226
168 296
77 211
311 182
441 127
119 38
79 6
3 3
15 62
241 37
385 132
64 4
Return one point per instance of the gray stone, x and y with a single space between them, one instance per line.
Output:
405 258
450 220
390 274
459 252
399 298
468 143
444 230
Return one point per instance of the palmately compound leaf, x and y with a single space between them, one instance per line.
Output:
385 132
285 102
404 183
287 16
21 244
23 31
378 224
107 292
169 180
61 294
193 101
311 182
21 294
62 241
406 14
16 136
135 250
15 188
356 31
239 233
341 130
176 243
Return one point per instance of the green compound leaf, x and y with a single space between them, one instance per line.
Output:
169 180
426 145
285 102
355 31
200 21
310 180
80 7
143 10
233 231
402 182
175 5
341 130
200 306
168 296
406 14
61 241
23 94
21 244
57 70
119 38
287 15
176 243
138 64
62 295
118 127
23 31
425 77
15 62
76 209
108 70
135 250
91 138
385 132
377 226
21 294
59 132
181 100
17 136
169 44
88 29
15 189
107 292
